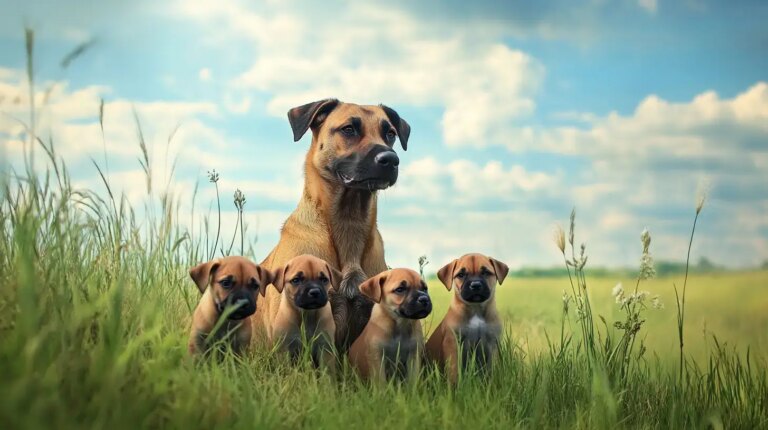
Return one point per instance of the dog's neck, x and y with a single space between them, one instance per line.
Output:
469 310
348 214
309 317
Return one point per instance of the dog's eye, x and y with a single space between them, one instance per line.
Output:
348 130
461 275
400 290
226 283
296 280
391 135
486 272
323 280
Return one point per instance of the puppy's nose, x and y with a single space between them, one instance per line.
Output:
423 300
314 293
387 159
475 285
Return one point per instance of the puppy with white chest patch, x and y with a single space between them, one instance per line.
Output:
297 311
392 342
229 286
471 328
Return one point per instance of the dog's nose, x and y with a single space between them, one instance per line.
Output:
475 285
423 300
387 159
314 293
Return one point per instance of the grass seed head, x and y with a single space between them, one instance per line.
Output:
559 237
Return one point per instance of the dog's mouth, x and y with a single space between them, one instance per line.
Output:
476 297
370 184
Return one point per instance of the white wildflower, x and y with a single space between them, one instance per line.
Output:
656 303
617 290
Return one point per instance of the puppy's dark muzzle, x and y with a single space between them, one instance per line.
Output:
417 307
475 291
375 170
312 296
243 305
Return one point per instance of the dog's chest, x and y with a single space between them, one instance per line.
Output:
478 338
396 353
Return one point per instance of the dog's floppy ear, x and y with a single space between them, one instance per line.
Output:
265 278
334 275
278 278
373 286
500 268
201 274
402 127
309 115
445 274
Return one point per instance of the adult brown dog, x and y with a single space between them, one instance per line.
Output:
298 310
472 323
229 282
350 159
392 342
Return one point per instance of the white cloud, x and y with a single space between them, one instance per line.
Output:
463 182
371 54
650 6
204 74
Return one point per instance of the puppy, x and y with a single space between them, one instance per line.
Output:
229 286
392 342
472 324
297 311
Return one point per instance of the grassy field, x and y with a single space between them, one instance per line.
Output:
95 303
95 306
733 306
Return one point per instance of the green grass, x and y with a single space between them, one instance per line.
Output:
729 305
95 305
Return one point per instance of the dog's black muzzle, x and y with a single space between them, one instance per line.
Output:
475 290
375 170
312 295
416 306
244 305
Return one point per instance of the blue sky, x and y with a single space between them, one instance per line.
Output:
519 112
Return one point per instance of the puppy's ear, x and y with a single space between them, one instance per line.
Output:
445 274
265 278
202 273
373 286
500 268
309 115
334 275
402 127
278 278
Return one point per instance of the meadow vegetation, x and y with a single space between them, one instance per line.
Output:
95 304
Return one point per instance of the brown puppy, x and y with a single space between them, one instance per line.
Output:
229 286
392 342
472 324
298 310
351 157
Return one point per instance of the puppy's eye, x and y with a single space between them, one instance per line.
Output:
461 275
486 272
400 290
348 130
226 283
296 280
391 135
323 280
